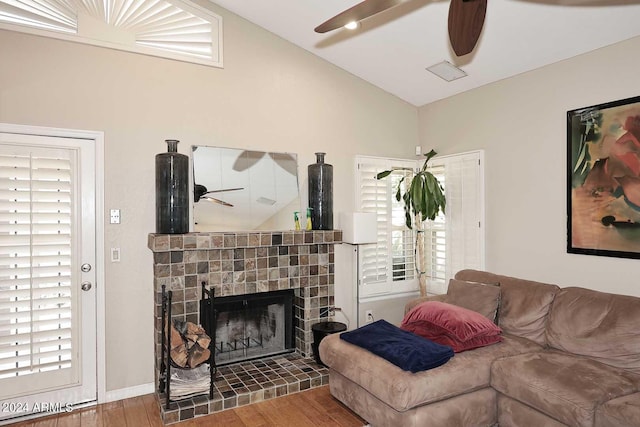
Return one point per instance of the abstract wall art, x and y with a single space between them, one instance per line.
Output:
603 179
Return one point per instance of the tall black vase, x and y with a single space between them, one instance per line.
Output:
172 191
321 194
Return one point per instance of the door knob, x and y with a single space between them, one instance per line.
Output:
86 286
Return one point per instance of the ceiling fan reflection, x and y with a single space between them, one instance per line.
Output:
200 192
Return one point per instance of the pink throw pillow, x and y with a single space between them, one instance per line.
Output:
440 321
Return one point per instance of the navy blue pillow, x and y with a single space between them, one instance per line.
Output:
404 349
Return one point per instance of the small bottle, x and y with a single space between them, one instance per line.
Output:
309 227
296 220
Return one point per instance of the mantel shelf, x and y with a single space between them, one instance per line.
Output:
231 240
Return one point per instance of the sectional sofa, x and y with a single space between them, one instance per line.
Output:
569 357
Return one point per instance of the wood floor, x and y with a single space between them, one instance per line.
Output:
310 408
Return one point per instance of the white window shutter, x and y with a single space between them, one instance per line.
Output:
176 29
435 235
374 198
388 266
455 241
35 262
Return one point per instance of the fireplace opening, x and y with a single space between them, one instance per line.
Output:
251 326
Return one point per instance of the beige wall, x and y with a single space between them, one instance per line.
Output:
521 124
271 95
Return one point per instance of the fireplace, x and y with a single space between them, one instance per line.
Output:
251 326
232 267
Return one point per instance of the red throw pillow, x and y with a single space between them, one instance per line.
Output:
460 328
455 344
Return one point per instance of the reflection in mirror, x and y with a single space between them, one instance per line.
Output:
240 190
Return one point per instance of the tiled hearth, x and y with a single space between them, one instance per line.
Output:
248 263
251 382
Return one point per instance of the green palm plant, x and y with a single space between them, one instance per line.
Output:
423 196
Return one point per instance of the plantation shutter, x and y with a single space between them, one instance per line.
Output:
374 197
435 235
36 297
387 266
455 241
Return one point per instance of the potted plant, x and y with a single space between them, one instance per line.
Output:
423 198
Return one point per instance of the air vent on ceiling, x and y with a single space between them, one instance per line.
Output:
447 71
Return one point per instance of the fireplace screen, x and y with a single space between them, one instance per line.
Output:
252 326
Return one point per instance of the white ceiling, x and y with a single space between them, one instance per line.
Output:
392 49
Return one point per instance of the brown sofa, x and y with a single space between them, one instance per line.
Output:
570 357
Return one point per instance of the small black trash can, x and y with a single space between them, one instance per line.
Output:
321 330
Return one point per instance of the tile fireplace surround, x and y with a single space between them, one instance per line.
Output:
247 263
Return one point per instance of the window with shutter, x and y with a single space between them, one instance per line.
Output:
36 300
455 241
388 266
452 242
173 29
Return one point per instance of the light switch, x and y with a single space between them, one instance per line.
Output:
115 254
115 216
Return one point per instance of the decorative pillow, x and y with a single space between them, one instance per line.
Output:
480 297
435 318
455 344
404 349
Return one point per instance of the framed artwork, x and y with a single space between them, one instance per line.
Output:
603 179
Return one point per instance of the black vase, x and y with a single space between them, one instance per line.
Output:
172 191
321 194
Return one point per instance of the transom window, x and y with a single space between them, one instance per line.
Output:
176 29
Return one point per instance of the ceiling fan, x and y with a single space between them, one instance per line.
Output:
200 192
466 17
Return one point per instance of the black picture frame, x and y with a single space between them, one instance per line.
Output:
603 179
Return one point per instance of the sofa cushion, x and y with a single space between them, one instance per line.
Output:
408 351
403 390
621 412
448 324
524 304
512 413
480 297
598 325
567 388
412 303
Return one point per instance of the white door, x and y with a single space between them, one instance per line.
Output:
47 273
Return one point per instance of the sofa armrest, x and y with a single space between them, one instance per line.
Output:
414 302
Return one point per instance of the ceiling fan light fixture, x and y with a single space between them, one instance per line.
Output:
446 71
352 25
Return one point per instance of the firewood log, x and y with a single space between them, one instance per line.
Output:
193 329
180 356
204 341
197 355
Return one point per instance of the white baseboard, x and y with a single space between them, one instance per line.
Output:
126 393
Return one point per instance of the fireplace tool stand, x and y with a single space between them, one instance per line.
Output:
209 325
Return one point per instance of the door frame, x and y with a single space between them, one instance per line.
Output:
98 138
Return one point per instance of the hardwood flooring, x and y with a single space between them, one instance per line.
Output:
310 408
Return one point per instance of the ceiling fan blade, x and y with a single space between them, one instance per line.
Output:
224 190
357 13
218 201
466 18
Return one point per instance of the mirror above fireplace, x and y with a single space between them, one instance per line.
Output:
242 190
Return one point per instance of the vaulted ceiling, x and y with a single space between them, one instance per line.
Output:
393 49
